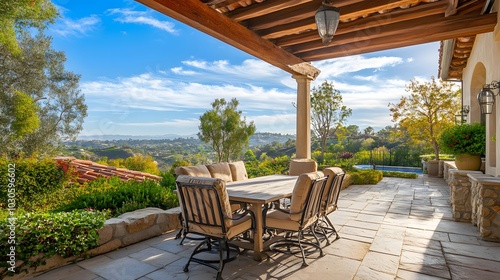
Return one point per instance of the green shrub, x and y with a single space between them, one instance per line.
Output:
33 178
366 177
397 174
167 181
267 166
67 234
119 197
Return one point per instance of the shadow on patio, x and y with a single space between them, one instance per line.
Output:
397 229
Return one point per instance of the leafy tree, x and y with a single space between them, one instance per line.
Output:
45 90
327 112
19 15
224 129
429 109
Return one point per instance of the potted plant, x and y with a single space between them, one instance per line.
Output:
467 142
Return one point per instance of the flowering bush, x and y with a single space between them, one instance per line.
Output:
464 139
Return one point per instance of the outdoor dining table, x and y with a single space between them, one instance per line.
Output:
258 192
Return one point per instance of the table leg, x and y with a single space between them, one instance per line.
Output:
258 243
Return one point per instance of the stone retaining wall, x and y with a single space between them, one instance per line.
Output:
124 230
485 197
460 191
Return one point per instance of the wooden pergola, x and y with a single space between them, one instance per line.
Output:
283 32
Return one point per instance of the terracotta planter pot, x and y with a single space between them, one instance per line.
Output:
468 162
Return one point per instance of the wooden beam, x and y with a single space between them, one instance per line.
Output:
452 8
296 13
449 28
368 23
265 8
397 30
199 16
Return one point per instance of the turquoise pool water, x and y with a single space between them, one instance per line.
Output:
391 168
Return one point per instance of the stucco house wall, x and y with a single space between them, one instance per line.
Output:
483 67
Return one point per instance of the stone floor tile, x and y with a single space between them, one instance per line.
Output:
358 232
422 242
123 269
380 262
489 253
387 245
426 234
366 273
410 275
392 231
125 251
174 247
460 272
347 249
473 262
363 224
423 250
67 272
327 267
425 264
356 238
154 256
370 218
99 260
460 238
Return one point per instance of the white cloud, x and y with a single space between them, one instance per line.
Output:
336 67
130 16
181 71
66 26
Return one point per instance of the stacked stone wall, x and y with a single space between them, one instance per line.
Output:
485 200
460 191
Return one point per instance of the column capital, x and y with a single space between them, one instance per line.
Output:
305 69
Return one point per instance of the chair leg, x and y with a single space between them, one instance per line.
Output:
195 251
333 228
318 242
304 263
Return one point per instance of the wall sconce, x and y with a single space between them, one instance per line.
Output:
327 20
486 97
462 117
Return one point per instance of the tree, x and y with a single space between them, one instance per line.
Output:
224 129
327 113
430 108
17 15
40 103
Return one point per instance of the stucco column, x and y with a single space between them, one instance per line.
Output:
303 141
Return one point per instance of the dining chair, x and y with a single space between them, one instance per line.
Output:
301 216
207 212
329 200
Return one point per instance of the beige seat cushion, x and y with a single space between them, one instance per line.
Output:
195 171
237 227
238 171
304 165
220 186
220 170
279 220
300 192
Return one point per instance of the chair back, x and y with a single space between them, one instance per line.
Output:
204 202
332 189
306 196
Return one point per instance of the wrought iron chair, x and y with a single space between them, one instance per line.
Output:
301 216
329 201
207 212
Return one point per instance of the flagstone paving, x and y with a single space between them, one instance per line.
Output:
397 229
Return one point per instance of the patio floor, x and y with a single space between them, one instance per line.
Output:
397 229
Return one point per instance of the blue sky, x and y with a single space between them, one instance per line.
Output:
143 73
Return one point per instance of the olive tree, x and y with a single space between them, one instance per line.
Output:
428 110
327 112
225 130
40 102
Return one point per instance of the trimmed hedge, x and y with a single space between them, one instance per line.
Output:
366 177
33 178
119 197
29 235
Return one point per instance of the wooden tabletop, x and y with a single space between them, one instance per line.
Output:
263 189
